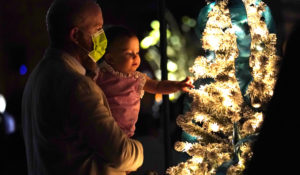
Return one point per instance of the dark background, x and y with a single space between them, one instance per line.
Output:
23 40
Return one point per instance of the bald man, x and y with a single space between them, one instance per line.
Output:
67 123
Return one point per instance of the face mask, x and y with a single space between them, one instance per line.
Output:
99 44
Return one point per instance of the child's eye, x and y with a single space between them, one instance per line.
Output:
129 53
132 54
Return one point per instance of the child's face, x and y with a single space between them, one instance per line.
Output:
124 55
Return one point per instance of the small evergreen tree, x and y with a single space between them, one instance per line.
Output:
226 113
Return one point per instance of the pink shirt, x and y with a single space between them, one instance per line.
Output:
123 92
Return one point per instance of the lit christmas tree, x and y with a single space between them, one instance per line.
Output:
226 113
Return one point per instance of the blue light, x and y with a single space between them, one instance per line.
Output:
23 69
10 124
211 5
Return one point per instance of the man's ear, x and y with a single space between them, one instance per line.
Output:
108 58
73 35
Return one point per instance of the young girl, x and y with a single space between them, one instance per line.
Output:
122 84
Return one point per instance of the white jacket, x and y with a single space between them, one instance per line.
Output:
67 124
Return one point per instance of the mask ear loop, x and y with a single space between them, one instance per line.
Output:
92 53
83 48
79 45
99 32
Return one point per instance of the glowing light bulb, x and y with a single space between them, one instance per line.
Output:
193 167
199 70
231 74
252 10
197 159
241 162
213 41
172 76
259 31
259 116
259 48
199 118
231 58
227 102
258 119
212 170
2 103
214 127
155 34
187 147
172 96
147 42
199 138
256 105
201 87
257 66
172 67
155 24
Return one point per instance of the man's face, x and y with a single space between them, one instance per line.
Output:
91 22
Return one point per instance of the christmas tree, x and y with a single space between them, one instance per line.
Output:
239 69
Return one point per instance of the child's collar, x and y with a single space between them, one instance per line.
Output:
106 66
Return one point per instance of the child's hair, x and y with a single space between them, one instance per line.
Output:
116 32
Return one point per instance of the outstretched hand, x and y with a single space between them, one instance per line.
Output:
186 84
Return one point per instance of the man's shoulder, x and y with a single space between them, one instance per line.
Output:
85 83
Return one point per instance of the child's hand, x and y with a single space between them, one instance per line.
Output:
186 84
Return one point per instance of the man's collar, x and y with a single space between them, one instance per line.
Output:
69 59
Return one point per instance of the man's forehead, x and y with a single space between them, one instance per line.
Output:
92 17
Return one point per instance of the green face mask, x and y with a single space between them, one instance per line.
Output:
100 43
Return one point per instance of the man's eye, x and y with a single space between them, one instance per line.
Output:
99 29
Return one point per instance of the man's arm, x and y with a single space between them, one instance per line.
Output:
102 133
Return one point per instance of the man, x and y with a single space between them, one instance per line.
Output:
67 124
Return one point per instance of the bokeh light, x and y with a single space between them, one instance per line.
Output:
2 103
23 69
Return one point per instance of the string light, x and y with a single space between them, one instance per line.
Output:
2 103
214 127
199 118
219 104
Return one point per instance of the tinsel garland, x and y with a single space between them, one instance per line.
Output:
226 114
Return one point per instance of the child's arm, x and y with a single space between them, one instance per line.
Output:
166 86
